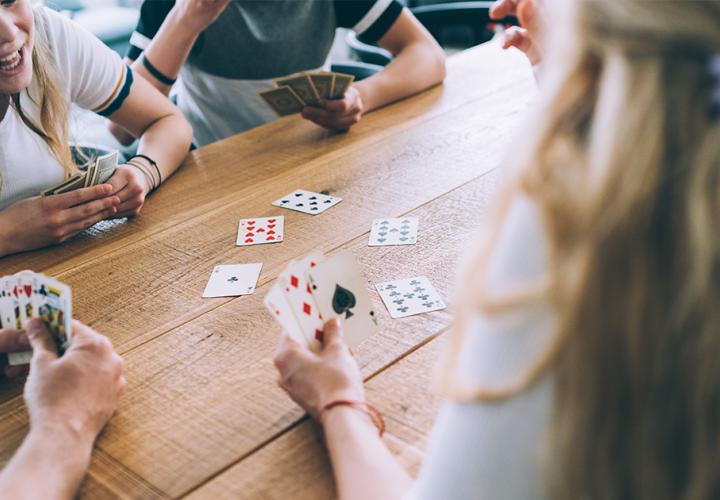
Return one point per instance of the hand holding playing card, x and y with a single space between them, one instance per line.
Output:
313 380
41 221
337 114
131 186
77 392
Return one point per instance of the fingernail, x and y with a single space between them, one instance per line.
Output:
336 322
33 328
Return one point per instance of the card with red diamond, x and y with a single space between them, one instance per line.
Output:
260 230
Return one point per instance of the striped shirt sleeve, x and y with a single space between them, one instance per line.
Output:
370 19
152 15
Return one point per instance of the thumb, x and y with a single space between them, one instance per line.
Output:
332 333
41 341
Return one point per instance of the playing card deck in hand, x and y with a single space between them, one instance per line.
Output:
312 290
294 92
27 295
410 296
394 231
97 172
307 202
231 280
260 230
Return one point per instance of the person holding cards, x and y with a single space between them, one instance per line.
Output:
225 52
69 399
47 64
583 361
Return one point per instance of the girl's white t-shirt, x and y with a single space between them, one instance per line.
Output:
88 74
492 450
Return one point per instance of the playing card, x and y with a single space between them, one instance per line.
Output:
9 303
341 84
409 296
259 230
323 83
394 231
307 202
340 291
294 285
303 87
279 307
232 280
74 182
91 175
53 301
282 100
106 166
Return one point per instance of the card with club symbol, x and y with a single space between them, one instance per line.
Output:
307 202
232 280
340 290
260 230
394 231
410 296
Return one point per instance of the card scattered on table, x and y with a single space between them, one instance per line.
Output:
307 202
394 231
97 172
231 280
27 295
294 92
260 230
410 296
312 290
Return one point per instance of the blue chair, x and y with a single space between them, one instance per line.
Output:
453 24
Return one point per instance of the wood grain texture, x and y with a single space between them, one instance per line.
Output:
201 397
296 465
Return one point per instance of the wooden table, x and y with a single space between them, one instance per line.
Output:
203 416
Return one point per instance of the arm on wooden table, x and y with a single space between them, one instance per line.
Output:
165 136
69 400
169 49
362 464
419 63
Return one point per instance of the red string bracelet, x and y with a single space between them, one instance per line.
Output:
373 413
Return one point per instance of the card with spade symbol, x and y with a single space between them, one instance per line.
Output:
340 290
232 280
394 231
307 202
410 296
260 230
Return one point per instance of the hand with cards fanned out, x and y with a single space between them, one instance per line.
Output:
296 93
27 295
313 290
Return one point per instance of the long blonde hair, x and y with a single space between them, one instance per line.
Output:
624 166
46 95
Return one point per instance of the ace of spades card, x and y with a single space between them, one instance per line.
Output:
340 291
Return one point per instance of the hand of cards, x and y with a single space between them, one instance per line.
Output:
97 172
27 295
313 290
293 93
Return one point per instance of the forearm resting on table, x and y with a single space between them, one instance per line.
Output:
363 466
416 68
47 465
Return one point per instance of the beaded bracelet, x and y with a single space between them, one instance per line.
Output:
151 162
375 416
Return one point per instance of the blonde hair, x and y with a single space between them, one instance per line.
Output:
624 167
52 104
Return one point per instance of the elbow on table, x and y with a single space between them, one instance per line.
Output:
437 61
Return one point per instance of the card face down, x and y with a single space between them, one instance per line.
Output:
232 280
283 100
307 202
340 290
410 296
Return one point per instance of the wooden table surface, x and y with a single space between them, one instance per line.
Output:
202 416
